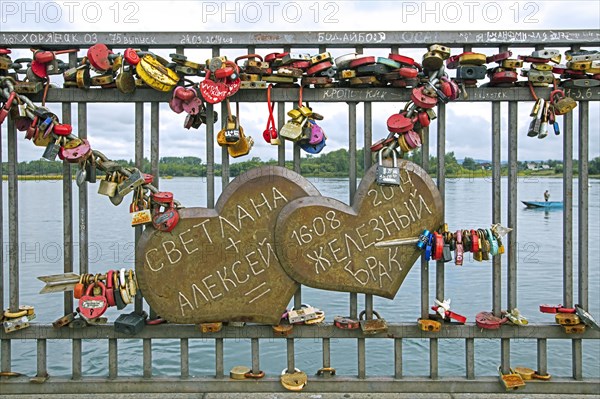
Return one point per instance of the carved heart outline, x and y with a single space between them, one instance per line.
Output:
220 264
323 243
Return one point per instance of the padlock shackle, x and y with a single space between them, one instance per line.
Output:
248 56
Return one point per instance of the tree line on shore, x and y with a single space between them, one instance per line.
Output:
332 164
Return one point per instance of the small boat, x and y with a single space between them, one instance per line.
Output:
543 204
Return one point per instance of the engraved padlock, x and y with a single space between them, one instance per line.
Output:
373 326
388 175
90 306
562 104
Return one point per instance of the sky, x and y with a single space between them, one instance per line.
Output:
468 125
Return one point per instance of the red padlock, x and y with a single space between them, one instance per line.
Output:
164 198
224 72
362 61
32 129
184 94
346 323
148 178
488 321
43 56
92 307
299 64
409 73
421 99
131 56
5 51
556 309
213 92
499 57
7 106
166 221
62 129
321 66
402 59
474 241
39 69
504 77
423 119
110 290
74 155
412 139
399 123
97 55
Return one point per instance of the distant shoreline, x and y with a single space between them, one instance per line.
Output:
458 176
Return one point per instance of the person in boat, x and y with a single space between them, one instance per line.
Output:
547 195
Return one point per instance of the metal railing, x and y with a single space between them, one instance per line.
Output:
320 41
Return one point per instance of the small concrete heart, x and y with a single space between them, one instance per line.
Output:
324 243
220 264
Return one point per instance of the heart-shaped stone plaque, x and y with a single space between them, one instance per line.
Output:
324 243
220 264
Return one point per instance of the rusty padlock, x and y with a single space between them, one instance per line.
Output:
373 326
345 323
562 104
567 319
512 380
211 327
282 329
576 329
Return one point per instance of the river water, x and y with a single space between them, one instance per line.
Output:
468 205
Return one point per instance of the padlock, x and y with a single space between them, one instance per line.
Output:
64 321
567 319
423 239
282 329
108 186
130 324
373 326
16 324
576 329
330 371
139 215
536 123
317 135
317 320
561 104
166 221
545 53
343 61
469 58
52 150
536 76
134 180
459 249
313 148
512 63
293 381
241 147
487 320
542 67
421 99
7 106
515 317
556 309
470 72
239 372
303 314
211 327
346 323
293 57
400 123
125 81
429 325
90 306
292 130
153 72
326 56
446 253
432 61
75 154
587 318
388 175
512 380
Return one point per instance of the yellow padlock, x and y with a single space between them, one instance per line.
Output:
579 65
472 59
155 74
512 63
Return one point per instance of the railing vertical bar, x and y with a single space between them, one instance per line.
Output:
5 343
352 148
210 157
224 152
542 356
298 298
291 364
76 359
255 356
441 183
398 358
353 305
219 357
155 142
184 349
583 155
280 123
496 205
362 361
147 357
42 370
13 220
368 135
576 346
511 239
296 150
83 197
368 306
433 358
139 163
113 359
568 210
424 263
470 358
67 216
326 352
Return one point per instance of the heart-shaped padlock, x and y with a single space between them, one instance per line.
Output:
176 103
166 221
270 134
313 149
194 104
90 306
213 92
75 154
400 123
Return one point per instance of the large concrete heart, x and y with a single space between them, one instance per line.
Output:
220 264
323 243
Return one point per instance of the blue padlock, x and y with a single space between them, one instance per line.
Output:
423 239
313 148
428 248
